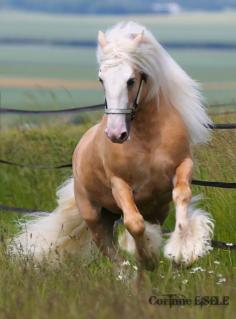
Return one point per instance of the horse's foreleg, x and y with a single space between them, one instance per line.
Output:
101 229
182 193
146 236
190 238
133 220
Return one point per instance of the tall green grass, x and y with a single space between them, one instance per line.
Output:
76 289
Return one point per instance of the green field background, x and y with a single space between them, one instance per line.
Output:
80 63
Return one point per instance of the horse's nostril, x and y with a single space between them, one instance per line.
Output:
123 136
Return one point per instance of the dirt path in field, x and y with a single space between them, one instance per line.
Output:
219 85
47 83
7 82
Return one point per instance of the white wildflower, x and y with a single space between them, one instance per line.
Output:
197 269
221 280
216 262
125 263
120 277
185 281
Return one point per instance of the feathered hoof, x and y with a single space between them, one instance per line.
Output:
147 254
186 245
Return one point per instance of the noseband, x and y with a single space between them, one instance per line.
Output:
132 110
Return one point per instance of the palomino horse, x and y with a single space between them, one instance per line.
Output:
134 162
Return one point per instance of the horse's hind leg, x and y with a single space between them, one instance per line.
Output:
146 236
108 219
193 228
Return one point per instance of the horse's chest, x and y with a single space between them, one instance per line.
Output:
149 174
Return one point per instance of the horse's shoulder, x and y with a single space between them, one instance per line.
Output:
88 136
85 144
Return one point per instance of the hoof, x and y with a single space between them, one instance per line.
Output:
191 242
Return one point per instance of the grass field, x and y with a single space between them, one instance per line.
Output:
187 26
68 63
78 290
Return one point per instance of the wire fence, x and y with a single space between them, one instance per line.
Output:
90 108
97 107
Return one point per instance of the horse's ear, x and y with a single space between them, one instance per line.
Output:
102 39
138 38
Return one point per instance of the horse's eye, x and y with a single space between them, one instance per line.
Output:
130 83
100 80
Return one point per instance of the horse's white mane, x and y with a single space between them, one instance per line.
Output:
163 73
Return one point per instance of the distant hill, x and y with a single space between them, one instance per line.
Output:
112 6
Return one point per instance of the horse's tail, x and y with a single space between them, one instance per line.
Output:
56 233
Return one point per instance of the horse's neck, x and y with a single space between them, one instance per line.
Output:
150 116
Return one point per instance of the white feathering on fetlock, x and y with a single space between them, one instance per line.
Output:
192 241
151 245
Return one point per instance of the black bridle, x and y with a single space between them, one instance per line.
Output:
132 110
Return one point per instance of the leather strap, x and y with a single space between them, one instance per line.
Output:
130 111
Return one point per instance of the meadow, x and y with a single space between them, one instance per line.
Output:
215 67
76 288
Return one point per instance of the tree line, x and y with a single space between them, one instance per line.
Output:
112 6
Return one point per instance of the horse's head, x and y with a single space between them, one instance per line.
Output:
122 84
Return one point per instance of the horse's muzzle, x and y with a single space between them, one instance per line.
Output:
121 138
118 127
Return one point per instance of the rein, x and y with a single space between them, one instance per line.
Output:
132 110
